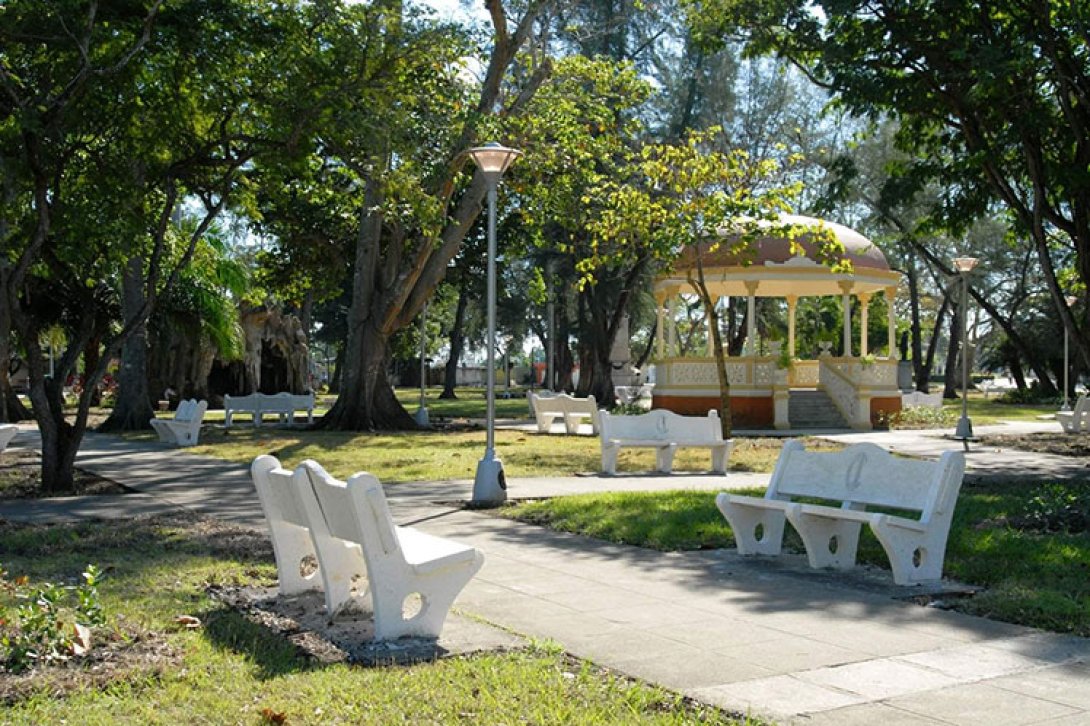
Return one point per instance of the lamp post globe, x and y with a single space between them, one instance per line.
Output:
489 484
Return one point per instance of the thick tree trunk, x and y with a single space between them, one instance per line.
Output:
951 377
457 343
1017 373
132 409
367 401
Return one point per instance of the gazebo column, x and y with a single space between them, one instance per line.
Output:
864 308
751 317
660 332
846 304
792 307
891 294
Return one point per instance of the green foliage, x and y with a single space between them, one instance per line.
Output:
1057 508
917 417
1031 394
38 623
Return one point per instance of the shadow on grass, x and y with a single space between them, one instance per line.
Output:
272 653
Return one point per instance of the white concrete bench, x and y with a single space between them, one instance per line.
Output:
860 476
185 428
401 561
547 408
295 541
1077 420
666 432
7 433
918 398
257 405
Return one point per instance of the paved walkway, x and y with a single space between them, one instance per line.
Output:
767 637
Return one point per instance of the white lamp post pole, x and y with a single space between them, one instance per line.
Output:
964 431
421 416
489 485
1070 300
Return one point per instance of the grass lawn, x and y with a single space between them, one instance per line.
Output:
428 456
230 670
1032 578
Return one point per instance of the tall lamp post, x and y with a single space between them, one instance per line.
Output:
421 415
964 431
489 485
1070 300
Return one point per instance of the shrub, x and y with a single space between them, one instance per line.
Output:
1056 508
1030 395
916 417
51 623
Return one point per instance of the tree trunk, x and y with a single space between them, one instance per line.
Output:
457 343
950 372
920 371
338 371
367 401
132 408
726 419
932 345
11 408
1019 376
564 363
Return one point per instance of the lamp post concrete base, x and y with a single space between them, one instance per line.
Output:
421 417
490 485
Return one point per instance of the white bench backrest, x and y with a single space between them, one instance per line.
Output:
184 412
662 425
240 403
918 398
278 492
356 511
867 474
563 403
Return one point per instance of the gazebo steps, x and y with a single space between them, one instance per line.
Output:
813 409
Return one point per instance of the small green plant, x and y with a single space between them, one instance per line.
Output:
785 361
867 360
1056 508
46 623
915 417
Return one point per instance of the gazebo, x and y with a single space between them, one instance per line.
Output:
860 385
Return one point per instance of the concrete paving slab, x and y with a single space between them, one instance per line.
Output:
1068 684
867 714
681 671
982 703
879 679
777 697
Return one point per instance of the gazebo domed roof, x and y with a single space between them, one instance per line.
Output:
779 272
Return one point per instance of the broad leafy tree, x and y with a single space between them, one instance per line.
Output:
992 101
111 117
